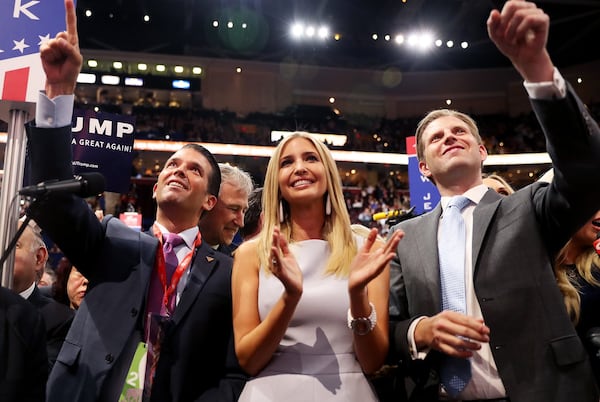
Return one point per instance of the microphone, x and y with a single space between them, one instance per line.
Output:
84 185
392 214
597 243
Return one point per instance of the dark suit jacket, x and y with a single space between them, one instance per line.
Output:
23 361
57 321
515 239
197 356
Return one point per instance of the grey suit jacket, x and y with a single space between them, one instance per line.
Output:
515 239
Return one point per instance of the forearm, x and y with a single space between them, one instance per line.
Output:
371 349
255 349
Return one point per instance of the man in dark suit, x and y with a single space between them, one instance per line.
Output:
23 360
30 259
130 294
515 333
220 225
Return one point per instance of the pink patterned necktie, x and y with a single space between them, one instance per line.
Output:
170 242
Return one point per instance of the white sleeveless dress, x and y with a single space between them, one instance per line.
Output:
315 360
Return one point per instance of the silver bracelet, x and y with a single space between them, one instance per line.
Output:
363 325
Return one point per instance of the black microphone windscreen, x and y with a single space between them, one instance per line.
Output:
93 184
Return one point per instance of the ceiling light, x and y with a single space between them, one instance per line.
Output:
197 70
160 67
178 69
142 66
118 65
92 63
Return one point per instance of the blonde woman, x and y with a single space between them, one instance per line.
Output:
577 271
310 299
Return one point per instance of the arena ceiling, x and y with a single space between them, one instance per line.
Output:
186 27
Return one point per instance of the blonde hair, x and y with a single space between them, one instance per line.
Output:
336 229
585 263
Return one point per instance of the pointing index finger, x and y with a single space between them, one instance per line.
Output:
71 20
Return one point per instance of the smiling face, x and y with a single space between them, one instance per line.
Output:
181 190
301 177
220 225
451 154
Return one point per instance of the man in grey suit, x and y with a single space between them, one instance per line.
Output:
130 295
514 333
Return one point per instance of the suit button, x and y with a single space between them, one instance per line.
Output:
109 358
134 312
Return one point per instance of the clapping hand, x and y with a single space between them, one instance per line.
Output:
283 265
369 262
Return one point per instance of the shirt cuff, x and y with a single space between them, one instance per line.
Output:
414 353
555 89
53 113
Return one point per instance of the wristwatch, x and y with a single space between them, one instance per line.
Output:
362 325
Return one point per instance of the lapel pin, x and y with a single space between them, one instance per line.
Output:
210 259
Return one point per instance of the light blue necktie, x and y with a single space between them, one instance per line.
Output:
455 373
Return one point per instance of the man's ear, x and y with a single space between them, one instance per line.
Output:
424 169
210 202
154 190
41 256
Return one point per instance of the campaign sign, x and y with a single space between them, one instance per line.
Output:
424 196
103 143
25 25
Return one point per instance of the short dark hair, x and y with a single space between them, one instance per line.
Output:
214 176
252 215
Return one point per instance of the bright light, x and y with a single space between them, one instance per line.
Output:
160 67
413 40
142 66
215 24
448 102
86 78
134 82
118 65
238 70
464 45
146 18
438 43
88 13
579 80
297 30
337 36
374 36
399 39
178 69
310 31
197 70
450 43
425 41
332 100
244 25
92 63
110 80
387 38
230 24
323 32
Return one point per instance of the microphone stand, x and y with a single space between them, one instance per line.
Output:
14 240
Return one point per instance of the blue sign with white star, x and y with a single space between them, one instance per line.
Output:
26 24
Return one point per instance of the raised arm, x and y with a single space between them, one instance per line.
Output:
61 58
520 31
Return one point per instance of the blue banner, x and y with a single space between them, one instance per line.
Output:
424 196
103 143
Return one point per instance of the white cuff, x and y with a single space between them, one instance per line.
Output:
555 89
414 353
53 113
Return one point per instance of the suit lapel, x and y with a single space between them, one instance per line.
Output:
482 216
203 265
428 256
